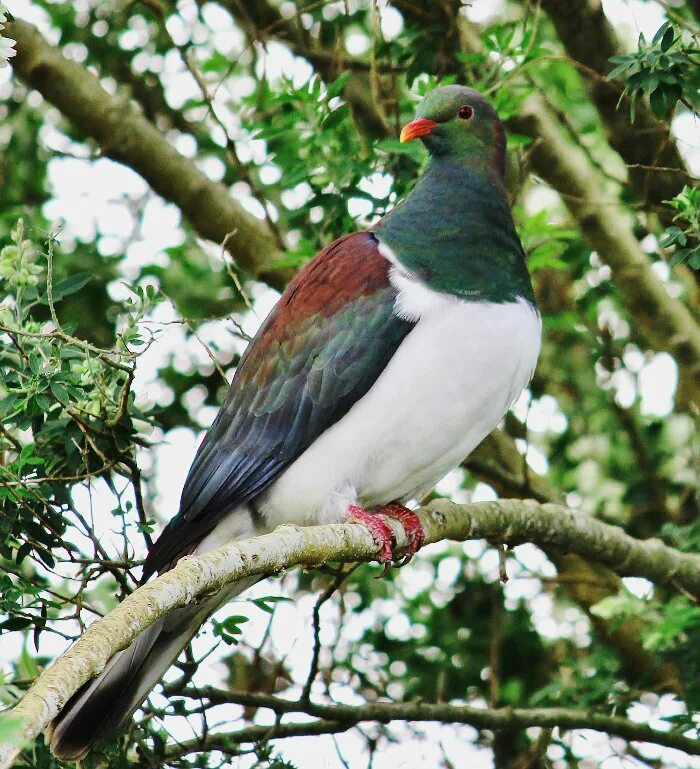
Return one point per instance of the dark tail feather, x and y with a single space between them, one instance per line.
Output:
105 703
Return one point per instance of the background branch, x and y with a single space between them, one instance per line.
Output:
481 718
128 137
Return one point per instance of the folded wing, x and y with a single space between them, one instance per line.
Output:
319 351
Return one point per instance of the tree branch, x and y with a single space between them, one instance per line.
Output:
229 743
126 136
497 461
508 521
480 718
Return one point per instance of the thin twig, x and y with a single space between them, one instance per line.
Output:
323 597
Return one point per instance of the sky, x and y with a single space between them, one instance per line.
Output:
92 197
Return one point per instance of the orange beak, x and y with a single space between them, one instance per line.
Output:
417 128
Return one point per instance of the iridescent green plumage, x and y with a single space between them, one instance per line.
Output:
455 230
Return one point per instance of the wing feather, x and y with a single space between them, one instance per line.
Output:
319 351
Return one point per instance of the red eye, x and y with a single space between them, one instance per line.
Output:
466 112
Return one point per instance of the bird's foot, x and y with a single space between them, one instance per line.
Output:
379 529
412 526
383 534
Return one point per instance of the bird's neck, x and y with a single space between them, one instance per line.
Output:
455 232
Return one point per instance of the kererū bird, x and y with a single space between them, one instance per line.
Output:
389 357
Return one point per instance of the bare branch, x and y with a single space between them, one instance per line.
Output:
481 718
229 744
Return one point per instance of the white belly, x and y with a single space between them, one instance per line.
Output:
447 387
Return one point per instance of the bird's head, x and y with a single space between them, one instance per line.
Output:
457 122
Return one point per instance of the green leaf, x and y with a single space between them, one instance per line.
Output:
70 285
336 117
677 617
263 603
11 730
335 88
15 623
661 32
60 392
620 606
519 140
234 621
668 38
617 71
217 62
35 362
663 99
22 552
229 629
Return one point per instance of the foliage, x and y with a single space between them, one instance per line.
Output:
6 43
687 239
68 416
309 132
664 70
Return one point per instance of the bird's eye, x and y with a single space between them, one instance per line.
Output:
466 112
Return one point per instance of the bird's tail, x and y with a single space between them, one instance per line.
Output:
105 703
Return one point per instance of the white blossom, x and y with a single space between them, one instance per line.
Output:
6 43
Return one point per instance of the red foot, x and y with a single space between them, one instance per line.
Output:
383 534
380 530
411 524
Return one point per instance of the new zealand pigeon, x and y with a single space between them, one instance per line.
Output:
389 357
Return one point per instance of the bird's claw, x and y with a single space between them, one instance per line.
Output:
384 535
379 529
412 526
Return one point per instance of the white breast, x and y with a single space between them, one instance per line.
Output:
448 385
